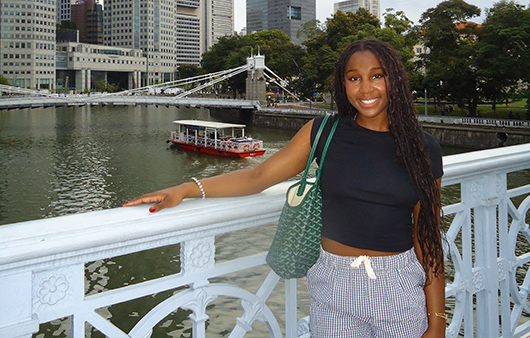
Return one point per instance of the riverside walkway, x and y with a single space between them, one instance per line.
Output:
42 262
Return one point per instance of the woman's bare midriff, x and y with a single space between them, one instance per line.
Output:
340 249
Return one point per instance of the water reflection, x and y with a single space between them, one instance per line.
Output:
70 160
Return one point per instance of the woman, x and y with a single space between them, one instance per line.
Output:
380 272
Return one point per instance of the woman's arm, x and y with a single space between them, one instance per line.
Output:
283 165
434 291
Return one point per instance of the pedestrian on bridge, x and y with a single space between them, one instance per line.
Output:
380 271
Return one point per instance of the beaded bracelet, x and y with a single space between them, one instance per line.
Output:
200 186
438 314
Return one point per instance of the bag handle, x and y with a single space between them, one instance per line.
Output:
330 136
312 154
315 144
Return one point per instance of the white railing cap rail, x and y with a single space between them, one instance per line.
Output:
504 159
121 229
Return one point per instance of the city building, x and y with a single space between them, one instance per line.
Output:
63 10
170 32
146 25
80 66
27 42
88 18
373 6
218 21
285 15
167 32
257 16
188 32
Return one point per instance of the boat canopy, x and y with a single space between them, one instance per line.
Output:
208 124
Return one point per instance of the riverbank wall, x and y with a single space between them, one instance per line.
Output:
447 134
476 137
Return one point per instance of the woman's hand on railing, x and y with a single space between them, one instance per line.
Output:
165 198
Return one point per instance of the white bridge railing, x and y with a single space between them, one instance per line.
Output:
42 263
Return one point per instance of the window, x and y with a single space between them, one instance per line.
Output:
294 13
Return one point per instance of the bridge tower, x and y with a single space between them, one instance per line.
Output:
256 84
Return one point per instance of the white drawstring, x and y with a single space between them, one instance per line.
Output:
367 265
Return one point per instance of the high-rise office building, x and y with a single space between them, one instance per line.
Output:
154 27
170 32
373 6
257 16
218 21
285 15
188 32
63 8
27 43
88 18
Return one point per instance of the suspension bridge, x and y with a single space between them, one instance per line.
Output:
180 93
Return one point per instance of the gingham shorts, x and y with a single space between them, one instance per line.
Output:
346 302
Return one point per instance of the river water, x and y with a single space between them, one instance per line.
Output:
71 160
58 161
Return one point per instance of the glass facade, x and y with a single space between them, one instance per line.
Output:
257 15
285 15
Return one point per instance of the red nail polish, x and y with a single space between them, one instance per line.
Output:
152 209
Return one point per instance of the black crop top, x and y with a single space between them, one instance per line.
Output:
367 196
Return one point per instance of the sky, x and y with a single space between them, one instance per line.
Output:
413 9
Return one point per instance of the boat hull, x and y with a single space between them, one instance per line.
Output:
218 152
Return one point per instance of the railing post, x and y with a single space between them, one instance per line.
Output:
291 308
481 193
506 256
16 318
196 255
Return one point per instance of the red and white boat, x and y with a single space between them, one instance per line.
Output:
215 138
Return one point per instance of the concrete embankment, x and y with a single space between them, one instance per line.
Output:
476 137
448 131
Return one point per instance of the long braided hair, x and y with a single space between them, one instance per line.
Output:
409 139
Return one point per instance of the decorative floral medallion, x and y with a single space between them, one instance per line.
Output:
53 289
198 254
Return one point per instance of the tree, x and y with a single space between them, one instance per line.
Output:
310 29
451 39
66 24
4 80
282 56
503 59
187 71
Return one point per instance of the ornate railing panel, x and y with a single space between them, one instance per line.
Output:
488 242
42 263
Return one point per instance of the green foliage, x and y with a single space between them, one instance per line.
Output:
100 86
310 29
4 80
468 63
187 71
503 59
104 86
67 24
450 71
